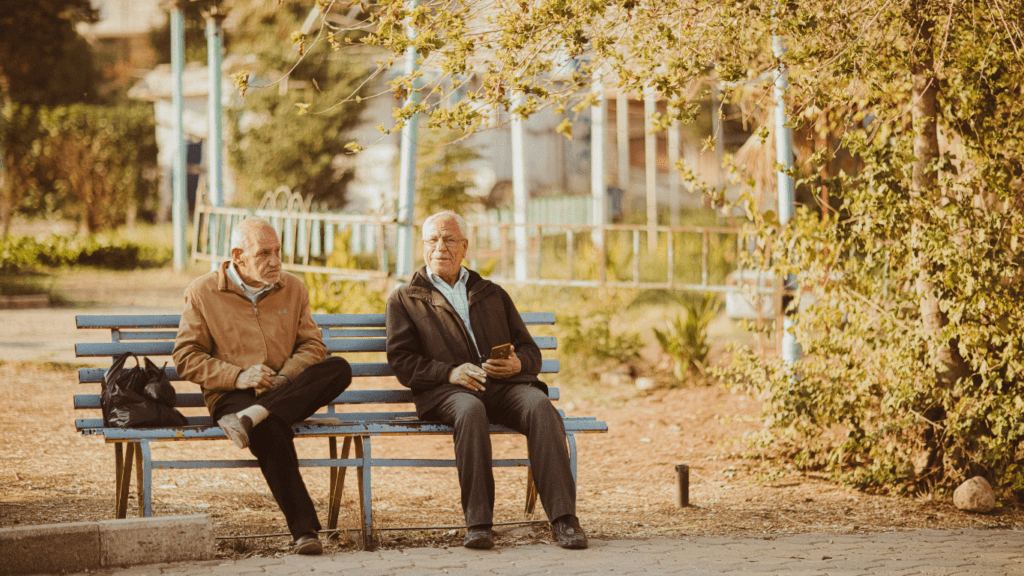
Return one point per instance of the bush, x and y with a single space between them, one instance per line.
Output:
25 253
96 164
686 339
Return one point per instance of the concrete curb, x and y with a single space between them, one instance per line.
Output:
79 546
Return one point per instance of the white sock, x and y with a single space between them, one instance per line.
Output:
256 413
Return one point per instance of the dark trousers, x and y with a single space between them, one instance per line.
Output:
524 409
271 441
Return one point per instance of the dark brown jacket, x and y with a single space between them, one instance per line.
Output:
427 340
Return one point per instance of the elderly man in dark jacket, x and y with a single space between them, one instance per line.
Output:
441 327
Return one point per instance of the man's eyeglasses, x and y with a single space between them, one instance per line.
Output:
448 241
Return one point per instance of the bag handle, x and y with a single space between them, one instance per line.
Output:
119 363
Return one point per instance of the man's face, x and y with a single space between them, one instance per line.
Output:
444 247
260 263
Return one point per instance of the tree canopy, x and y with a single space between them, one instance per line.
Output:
912 374
275 141
43 60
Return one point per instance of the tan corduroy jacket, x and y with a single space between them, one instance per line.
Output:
222 333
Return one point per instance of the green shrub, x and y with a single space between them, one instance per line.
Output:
25 253
686 339
96 164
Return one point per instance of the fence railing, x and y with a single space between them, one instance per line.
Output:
359 247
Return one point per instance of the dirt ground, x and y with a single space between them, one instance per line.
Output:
627 477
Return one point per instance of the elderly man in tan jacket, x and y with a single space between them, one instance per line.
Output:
247 338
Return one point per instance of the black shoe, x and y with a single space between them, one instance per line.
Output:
478 537
236 428
308 544
568 533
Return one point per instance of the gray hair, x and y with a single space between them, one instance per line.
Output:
242 234
446 215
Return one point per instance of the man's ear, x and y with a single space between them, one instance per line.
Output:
236 255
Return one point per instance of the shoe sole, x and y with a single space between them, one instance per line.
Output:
240 440
480 544
310 548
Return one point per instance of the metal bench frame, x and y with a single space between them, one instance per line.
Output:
153 336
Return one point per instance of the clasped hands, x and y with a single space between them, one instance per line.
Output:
261 377
473 377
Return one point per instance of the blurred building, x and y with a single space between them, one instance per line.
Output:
121 40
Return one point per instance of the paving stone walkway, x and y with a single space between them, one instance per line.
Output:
924 552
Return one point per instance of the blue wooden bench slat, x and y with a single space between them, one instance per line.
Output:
363 428
127 321
195 399
165 347
359 369
153 336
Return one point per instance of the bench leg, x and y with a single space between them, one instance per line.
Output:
337 481
365 502
571 439
144 464
531 492
123 458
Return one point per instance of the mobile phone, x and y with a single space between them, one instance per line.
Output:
501 351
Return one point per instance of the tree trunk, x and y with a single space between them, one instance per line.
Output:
948 363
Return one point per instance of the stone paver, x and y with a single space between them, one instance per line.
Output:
920 553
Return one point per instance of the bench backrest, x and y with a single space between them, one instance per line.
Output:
346 334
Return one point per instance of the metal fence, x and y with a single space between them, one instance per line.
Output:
359 247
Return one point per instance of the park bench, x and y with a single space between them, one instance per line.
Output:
347 334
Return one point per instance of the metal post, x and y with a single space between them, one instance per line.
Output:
651 167
179 200
215 153
407 177
682 485
519 191
673 175
598 190
215 140
791 352
622 138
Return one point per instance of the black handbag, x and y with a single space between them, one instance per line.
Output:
138 397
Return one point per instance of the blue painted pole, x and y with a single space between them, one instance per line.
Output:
179 208
214 46
791 351
407 176
215 141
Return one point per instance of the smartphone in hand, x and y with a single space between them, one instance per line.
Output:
501 352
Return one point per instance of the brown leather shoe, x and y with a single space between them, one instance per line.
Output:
568 533
309 544
478 537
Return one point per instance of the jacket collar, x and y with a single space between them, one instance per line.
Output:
225 284
420 286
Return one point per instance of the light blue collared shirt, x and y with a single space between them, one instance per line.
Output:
252 293
457 296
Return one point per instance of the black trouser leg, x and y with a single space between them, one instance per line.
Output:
467 414
272 444
528 411
308 392
271 441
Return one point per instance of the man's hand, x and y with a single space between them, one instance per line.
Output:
470 376
258 376
503 367
274 383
